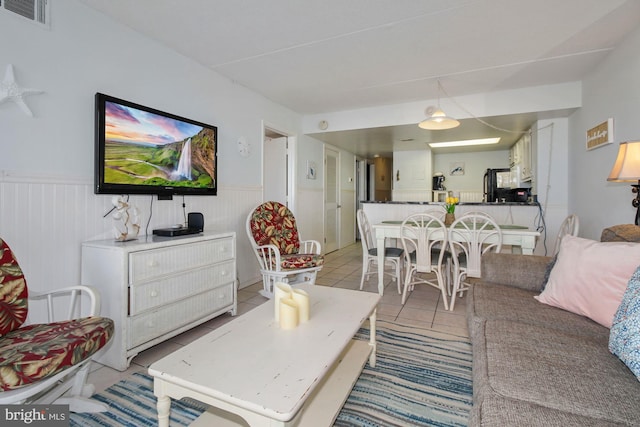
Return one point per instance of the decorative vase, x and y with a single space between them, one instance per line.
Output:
449 218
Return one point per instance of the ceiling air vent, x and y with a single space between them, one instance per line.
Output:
36 11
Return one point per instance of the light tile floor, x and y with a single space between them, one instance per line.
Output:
343 269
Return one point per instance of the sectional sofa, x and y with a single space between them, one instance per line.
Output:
535 364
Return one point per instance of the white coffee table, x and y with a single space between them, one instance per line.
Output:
273 377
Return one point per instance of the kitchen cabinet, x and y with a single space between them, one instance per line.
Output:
527 169
156 288
520 156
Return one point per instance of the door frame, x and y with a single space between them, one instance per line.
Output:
361 187
267 129
338 195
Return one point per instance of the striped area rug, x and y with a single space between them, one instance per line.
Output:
421 378
133 404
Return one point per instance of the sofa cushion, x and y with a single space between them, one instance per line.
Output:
552 369
39 351
624 341
526 272
13 291
590 277
493 301
500 411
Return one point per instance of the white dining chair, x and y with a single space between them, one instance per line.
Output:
392 256
471 236
424 241
571 226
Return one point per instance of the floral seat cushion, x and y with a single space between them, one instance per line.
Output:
38 351
13 291
273 223
300 261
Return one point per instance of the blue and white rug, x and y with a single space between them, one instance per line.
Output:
421 378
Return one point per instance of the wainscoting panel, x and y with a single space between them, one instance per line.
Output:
45 219
415 195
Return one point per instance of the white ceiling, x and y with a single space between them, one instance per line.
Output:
332 55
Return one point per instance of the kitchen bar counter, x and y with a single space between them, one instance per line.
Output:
460 204
525 214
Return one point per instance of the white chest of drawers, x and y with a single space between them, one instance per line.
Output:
157 288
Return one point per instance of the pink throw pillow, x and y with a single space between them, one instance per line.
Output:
590 277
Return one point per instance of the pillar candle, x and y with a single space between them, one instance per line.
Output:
302 299
288 313
280 290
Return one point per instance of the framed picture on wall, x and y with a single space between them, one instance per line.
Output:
456 168
600 135
312 169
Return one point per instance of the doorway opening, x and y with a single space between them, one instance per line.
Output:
278 166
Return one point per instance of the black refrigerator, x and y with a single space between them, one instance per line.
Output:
496 185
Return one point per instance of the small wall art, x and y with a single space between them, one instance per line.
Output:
456 168
11 91
312 169
600 135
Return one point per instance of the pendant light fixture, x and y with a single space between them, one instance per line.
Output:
439 120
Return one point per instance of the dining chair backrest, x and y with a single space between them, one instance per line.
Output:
439 212
570 225
424 235
366 232
471 236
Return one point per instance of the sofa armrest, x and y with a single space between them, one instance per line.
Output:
621 233
521 271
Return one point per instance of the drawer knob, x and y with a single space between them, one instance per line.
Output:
153 263
223 273
154 293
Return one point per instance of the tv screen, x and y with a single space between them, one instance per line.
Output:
140 150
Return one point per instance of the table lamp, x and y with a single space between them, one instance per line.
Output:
627 169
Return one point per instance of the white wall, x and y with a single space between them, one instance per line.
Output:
550 183
411 175
47 205
612 89
475 165
310 195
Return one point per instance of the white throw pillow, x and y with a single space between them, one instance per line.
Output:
589 277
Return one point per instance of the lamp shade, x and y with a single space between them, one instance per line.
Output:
439 121
627 165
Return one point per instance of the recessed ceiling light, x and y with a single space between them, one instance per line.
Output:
484 141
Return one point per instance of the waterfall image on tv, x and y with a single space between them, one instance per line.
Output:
146 150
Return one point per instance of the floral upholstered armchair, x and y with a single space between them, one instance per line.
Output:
283 257
49 362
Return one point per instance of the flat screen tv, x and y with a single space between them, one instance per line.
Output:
140 150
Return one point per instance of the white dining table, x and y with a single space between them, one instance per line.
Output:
515 235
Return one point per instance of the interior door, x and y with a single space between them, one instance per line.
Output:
275 170
331 200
